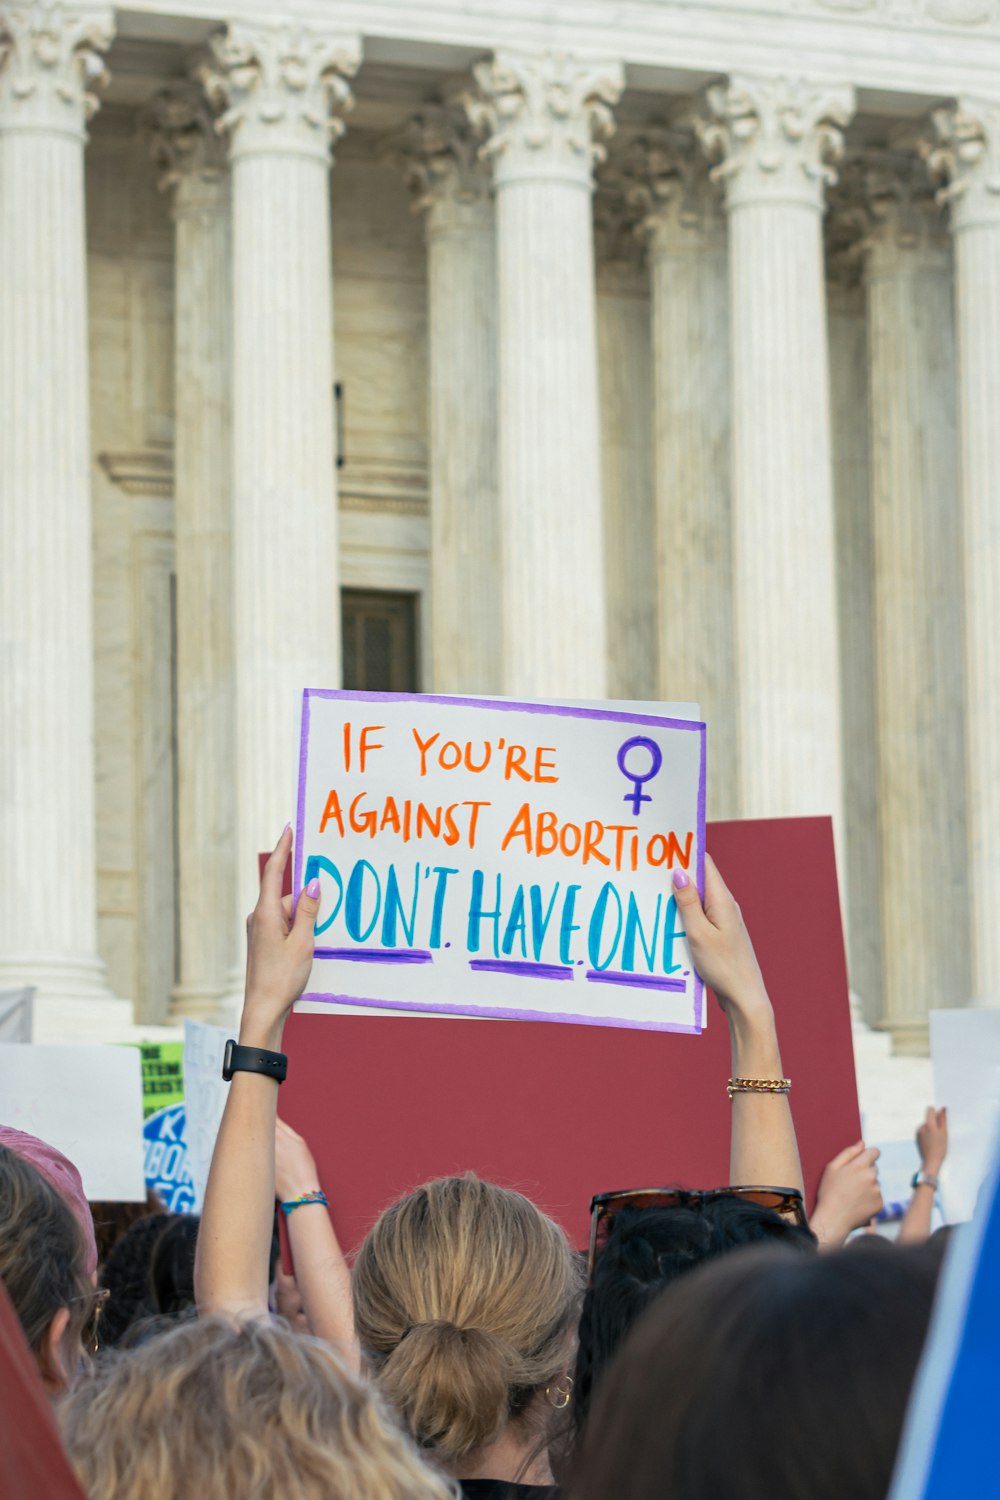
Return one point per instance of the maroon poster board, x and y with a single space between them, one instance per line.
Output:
562 1112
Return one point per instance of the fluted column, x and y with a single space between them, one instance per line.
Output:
192 159
968 155
546 115
918 625
686 245
451 188
281 86
625 368
49 63
775 139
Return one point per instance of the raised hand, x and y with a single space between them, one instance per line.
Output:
279 951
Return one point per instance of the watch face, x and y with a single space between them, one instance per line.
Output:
227 1061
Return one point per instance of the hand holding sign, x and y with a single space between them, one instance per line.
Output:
719 942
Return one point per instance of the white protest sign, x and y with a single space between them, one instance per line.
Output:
205 1097
965 1053
87 1102
492 858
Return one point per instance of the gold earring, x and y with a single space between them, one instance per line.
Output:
560 1394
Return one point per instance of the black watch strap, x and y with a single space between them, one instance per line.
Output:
239 1059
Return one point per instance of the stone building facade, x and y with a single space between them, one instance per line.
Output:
637 350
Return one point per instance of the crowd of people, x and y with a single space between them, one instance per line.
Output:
712 1343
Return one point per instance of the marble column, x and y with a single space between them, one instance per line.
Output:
918 590
967 155
625 366
50 62
775 139
451 189
282 87
191 157
846 228
546 115
685 234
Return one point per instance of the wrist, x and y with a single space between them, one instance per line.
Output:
261 1031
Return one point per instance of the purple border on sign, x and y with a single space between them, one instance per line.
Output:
506 705
499 1013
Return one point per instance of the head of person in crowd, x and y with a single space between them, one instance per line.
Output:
217 1409
112 1219
60 1172
127 1275
45 1264
466 1297
171 1269
644 1250
766 1376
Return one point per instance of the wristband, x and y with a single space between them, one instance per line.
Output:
924 1179
316 1196
239 1059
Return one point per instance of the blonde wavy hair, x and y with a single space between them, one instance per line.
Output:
465 1300
217 1410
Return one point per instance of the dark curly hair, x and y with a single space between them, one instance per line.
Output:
646 1251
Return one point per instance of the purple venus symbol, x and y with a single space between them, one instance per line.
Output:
637 796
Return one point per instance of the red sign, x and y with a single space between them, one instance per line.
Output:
562 1112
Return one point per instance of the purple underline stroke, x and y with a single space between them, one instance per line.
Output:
521 970
638 981
377 955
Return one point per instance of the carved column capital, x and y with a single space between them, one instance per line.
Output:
903 216
439 155
775 139
964 155
280 88
544 114
678 202
188 150
51 66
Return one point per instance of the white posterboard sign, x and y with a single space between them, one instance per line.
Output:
483 857
965 1053
205 1096
85 1101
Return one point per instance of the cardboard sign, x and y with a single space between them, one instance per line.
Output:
87 1101
949 1441
489 858
204 1101
965 1052
162 1075
562 1111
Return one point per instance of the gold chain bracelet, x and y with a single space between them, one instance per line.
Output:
758 1086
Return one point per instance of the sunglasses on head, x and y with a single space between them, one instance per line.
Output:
605 1207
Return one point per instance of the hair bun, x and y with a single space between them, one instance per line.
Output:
450 1384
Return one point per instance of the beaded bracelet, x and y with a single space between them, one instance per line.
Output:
758 1086
316 1196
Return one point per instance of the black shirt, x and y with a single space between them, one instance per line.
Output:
501 1489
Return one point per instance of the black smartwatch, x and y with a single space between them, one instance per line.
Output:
239 1059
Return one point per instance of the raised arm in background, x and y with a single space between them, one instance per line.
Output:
849 1195
231 1265
932 1143
763 1149
322 1273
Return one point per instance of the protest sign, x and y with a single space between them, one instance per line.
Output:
489 858
949 1441
162 1075
965 1053
87 1101
165 1160
565 1111
15 1015
204 1100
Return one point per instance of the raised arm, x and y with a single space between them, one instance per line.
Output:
932 1143
849 1195
234 1239
763 1149
321 1271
